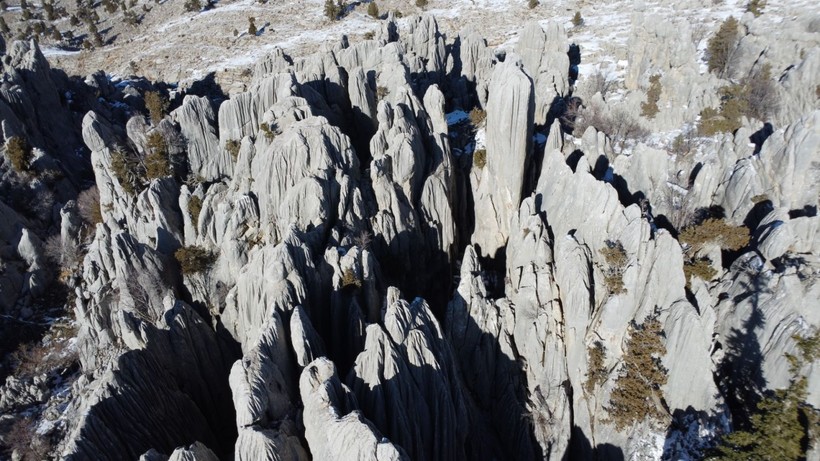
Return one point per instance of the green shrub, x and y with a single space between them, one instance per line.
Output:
19 154
193 6
333 9
156 160
716 231
194 259
480 158
252 26
124 169
722 45
421 3
532 4
156 104
649 109
264 128
616 261
232 146
477 116
637 391
755 7
700 268
783 419
373 9
369 35
577 19
596 374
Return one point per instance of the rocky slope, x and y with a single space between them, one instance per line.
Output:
337 264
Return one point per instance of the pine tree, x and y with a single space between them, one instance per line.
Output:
722 45
783 419
637 392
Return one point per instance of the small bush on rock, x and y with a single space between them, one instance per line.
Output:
194 208
88 204
596 374
194 259
722 45
373 9
716 231
637 392
157 164
577 19
349 279
477 116
156 104
700 268
19 154
755 7
193 6
649 109
616 261
232 146
480 158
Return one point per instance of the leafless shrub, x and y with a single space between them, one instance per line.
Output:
599 83
65 254
363 239
88 204
619 125
43 357
24 440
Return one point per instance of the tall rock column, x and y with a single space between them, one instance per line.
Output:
510 112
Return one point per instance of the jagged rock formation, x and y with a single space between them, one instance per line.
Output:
370 291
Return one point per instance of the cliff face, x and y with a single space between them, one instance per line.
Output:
374 290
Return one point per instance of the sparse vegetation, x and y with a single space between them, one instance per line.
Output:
649 109
722 45
252 26
532 4
755 7
124 170
477 116
19 154
754 96
783 419
157 105
334 9
232 146
194 259
480 158
194 208
24 440
682 145
264 128
637 392
597 373
700 268
716 231
421 3
193 6
349 279
156 160
373 9
615 264
381 92
577 19
88 204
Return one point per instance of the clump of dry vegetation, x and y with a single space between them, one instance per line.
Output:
19 154
477 116
194 208
717 231
349 279
597 373
88 204
157 105
194 259
232 146
649 109
157 164
700 268
615 264
637 392
480 158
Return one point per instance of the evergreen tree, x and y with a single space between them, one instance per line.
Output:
722 45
